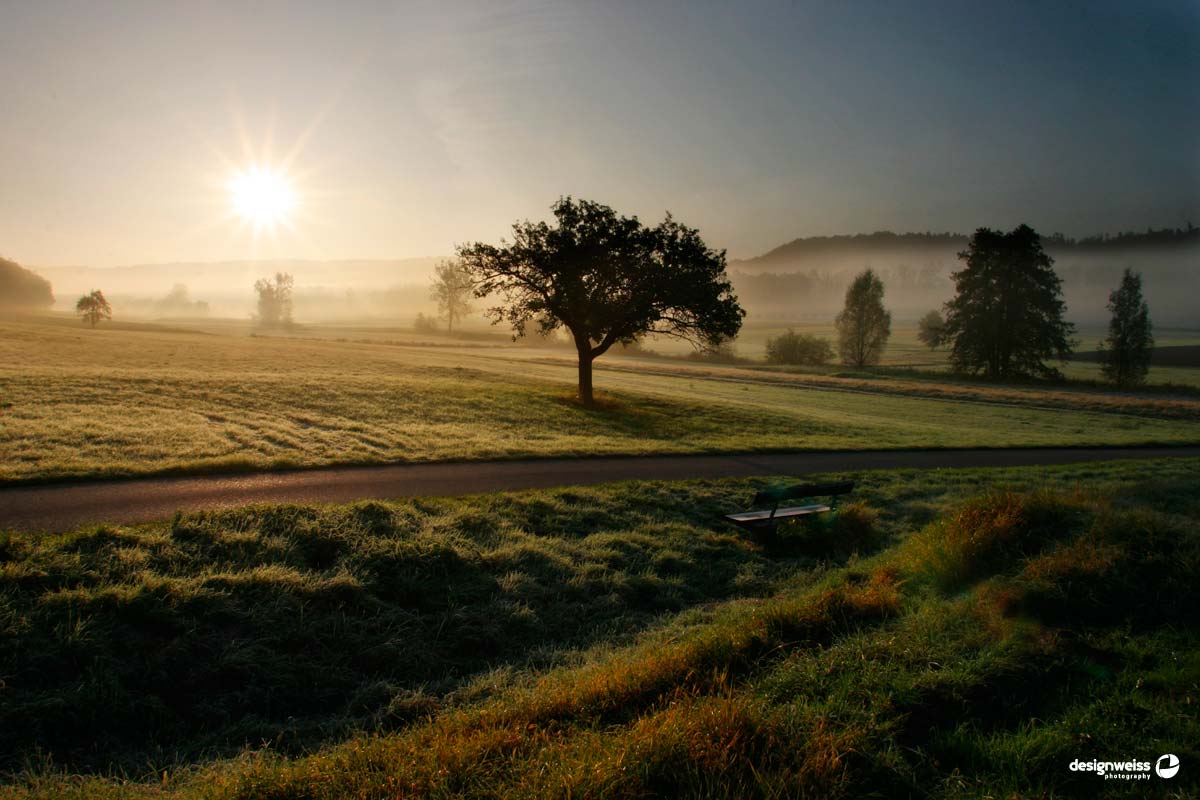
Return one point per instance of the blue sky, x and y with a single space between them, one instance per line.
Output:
408 127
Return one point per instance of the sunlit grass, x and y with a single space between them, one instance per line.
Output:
1057 629
140 400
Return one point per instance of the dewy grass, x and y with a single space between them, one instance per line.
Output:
607 642
80 403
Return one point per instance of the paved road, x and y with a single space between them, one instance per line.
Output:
65 506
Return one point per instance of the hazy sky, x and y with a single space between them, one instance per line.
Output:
413 126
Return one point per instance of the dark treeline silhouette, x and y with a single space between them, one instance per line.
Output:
888 241
1162 237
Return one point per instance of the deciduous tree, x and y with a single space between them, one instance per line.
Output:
452 289
607 279
93 307
1125 354
864 325
275 299
931 330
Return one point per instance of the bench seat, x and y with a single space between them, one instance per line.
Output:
751 518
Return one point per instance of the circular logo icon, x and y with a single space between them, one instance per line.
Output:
1167 766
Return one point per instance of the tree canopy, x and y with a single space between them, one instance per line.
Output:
1006 319
1125 353
23 289
607 279
864 325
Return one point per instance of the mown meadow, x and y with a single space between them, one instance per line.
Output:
948 634
131 399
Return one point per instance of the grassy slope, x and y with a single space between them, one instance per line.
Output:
137 400
619 641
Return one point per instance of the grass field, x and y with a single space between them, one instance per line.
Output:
137 399
905 350
949 634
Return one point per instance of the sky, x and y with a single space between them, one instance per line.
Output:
405 128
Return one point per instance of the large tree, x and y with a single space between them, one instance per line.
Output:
864 325
93 307
1125 354
452 289
1006 319
607 279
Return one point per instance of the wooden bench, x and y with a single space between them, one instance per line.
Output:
765 521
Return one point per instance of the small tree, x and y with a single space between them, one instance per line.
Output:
1006 319
425 324
275 299
931 330
1125 354
864 325
607 279
798 348
92 308
452 287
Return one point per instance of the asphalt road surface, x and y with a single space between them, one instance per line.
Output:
61 507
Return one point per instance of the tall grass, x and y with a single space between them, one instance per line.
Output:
1057 625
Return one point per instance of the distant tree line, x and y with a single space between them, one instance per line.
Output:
817 246
1005 321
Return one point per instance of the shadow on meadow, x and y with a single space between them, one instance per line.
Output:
618 641
291 624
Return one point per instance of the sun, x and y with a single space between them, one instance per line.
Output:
261 196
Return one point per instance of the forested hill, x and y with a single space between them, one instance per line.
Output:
815 250
807 278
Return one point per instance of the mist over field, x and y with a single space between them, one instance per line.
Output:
807 278
801 281
334 289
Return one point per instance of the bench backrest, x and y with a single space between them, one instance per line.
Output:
776 495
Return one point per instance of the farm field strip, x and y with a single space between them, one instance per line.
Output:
77 403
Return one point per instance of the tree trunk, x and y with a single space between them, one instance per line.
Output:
585 377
